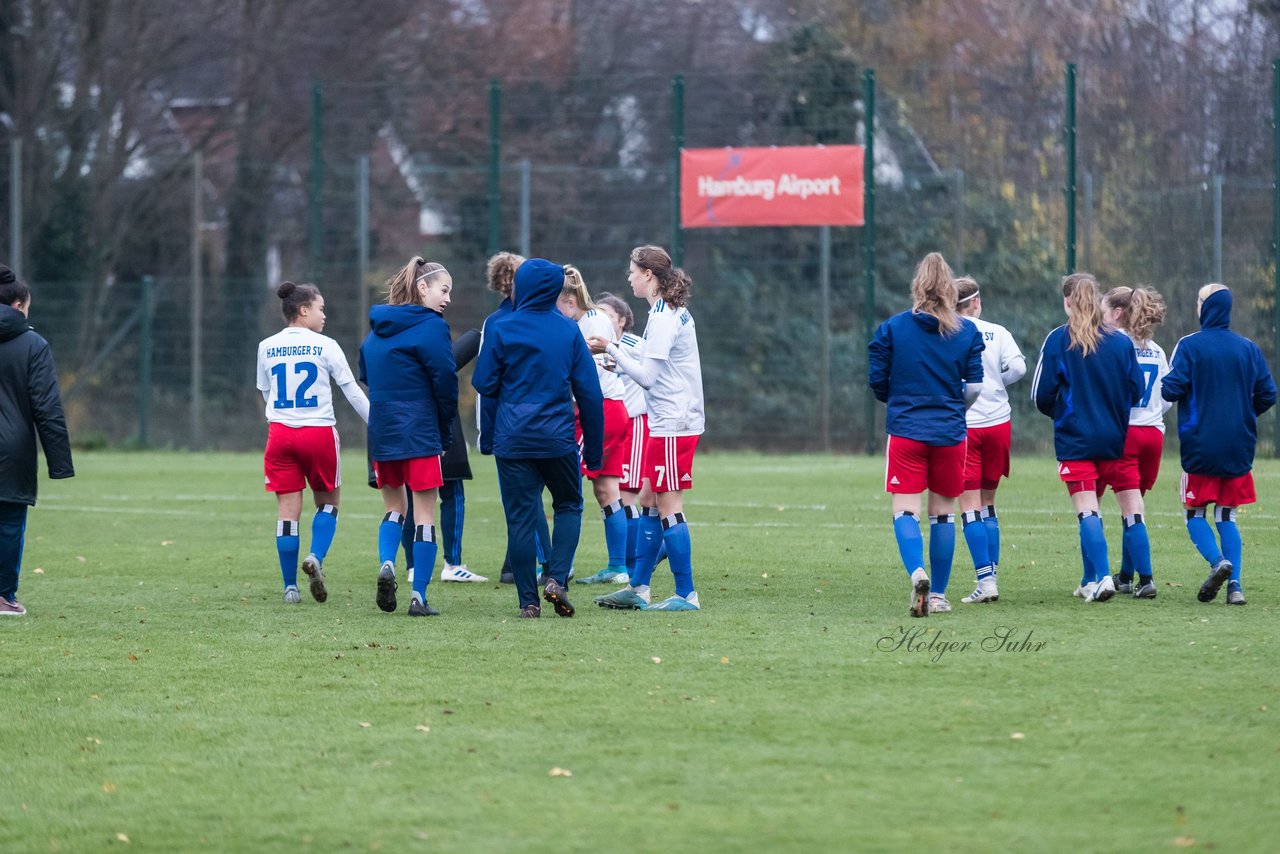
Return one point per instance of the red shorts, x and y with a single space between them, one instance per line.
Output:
298 456
668 462
419 473
911 467
1082 475
986 457
633 467
1200 490
1139 466
617 441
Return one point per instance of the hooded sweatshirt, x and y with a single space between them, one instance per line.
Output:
488 406
1221 383
1088 397
534 363
29 405
407 363
921 374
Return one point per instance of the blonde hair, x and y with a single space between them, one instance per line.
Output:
934 292
1084 311
576 287
674 283
402 287
501 272
966 292
1141 310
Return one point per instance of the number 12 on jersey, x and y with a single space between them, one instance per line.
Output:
309 371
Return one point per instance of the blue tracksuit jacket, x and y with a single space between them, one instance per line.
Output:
1088 398
920 374
1221 384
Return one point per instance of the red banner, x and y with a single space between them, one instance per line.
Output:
789 185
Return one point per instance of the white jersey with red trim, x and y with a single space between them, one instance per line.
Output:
597 323
999 352
632 392
295 368
1154 365
675 397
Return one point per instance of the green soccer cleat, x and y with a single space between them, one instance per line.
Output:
608 575
626 599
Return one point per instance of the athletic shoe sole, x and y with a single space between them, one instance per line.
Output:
311 566
387 592
1212 584
555 594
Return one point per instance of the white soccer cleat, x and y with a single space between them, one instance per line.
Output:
291 595
460 573
1102 590
938 604
985 592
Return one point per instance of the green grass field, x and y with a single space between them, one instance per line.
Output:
160 696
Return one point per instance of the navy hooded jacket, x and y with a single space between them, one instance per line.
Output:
29 405
534 362
921 375
489 406
1221 384
406 361
1088 397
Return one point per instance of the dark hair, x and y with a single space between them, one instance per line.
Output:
294 297
674 283
12 289
619 307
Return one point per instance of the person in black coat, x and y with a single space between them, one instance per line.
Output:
29 405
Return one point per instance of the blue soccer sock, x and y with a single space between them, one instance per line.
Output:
1137 545
615 533
647 548
1202 536
424 559
1126 551
633 535
942 549
1093 545
675 533
323 526
906 530
993 533
975 536
389 534
453 512
1229 535
287 550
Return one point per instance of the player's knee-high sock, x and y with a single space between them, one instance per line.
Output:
1202 536
1224 519
633 535
906 530
389 534
1093 545
1126 551
942 549
975 536
615 534
323 526
990 519
675 533
424 559
647 547
287 549
1137 545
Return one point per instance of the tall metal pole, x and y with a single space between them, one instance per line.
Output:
362 243
196 428
1069 190
677 143
15 205
315 232
526 190
824 309
144 362
1217 228
495 164
869 241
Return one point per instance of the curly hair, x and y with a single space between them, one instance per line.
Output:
1141 310
501 272
1084 311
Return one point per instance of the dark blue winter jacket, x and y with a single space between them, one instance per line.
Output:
534 362
407 363
489 406
921 375
1088 397
1221 384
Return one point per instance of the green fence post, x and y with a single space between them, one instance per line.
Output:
145 349
677 143
869 238
1069 191
495 165
315 230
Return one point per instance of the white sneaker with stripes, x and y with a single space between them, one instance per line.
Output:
460 573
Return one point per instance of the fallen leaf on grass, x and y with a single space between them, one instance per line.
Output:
1017 736
422 728
1184 841
365 724
108 787
657 660
1172 584
724 659
560 772
80 558
39 570
166 542
122 837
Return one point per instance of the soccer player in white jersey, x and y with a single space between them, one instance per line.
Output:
987 440
295 367
1137 312
575 303
670 372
